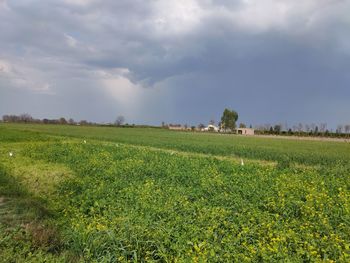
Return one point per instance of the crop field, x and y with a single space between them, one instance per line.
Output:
105 194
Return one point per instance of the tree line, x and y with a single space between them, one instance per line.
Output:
227 123
27 118
300 129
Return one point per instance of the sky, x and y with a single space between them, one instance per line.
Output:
177 61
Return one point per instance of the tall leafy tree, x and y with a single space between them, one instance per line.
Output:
228 119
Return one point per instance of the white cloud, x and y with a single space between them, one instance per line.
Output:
90 47
79 2
5 67
24 77
176 16
71 41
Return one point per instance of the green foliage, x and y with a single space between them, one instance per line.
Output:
284 162
228 119
132 203
298 151
13 134
26 234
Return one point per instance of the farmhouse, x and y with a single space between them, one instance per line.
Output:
176 128
245 131
179 127
211 127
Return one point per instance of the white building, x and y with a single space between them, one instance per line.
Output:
211 127
245 131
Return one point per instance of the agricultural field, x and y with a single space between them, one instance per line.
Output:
104 194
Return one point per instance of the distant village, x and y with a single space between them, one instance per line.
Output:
211 128
300 130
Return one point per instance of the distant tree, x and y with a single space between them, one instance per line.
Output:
313 127
6 118
120 120
339 128
25 117
300 127
212 122
323 127
277 128
347 128
71 121
316 130
193 128
201 126
307 127
228 119
62 120
83 122
242 125
267 126
271 129
250 126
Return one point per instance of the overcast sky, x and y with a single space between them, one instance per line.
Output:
179 61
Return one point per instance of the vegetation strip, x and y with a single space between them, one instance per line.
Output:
112 202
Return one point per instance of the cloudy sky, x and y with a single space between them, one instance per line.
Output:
178 61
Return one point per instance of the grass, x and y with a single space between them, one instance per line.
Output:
159 196
28 231
26 234
302 152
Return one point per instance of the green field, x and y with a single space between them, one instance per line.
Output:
106 194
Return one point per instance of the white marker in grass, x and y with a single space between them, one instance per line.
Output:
242 163
84 141
10 154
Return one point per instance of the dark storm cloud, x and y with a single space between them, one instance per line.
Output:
273 61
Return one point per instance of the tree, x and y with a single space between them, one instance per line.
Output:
120 120
339 128
300 127
212 122
62 120
316 130
313 127
323 127
307 127
347 128
242 125
25 117
83 122
228 119
277 129
201 126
